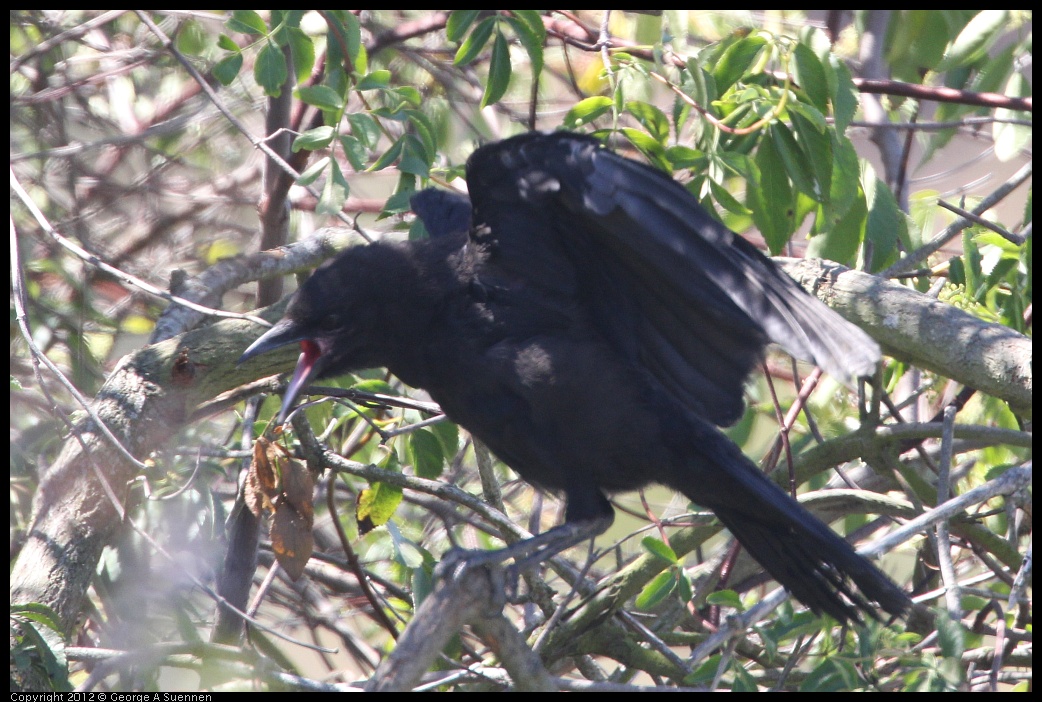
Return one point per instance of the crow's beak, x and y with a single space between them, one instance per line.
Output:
285 332
309 364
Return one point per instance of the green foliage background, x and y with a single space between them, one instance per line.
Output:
138 135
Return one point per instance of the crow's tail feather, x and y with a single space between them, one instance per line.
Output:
826 574
811 561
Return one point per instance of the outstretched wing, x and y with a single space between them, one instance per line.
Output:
670 287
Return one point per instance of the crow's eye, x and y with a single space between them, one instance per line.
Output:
331 322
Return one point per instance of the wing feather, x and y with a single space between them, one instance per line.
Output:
685 298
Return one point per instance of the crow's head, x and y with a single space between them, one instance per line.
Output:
340 316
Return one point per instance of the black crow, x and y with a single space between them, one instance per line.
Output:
584 317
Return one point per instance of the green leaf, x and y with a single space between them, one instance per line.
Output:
706 672
697 84
840 241
651 118
458 22
365 128
227 68
390 156
399 202
472 46
684 589
657 590
727 201
293 18
648 146
950 635
992 75
846 175
448 435
339 61
660 549
377 79
726 598
48 652
227 43
190 39
361 64
424 131
335 75
886 223
498 72
810 76
321 96
247 22
414 158
39 613
279 25
916 42
354 151
975 38
737 60
743 679
334 192
532 38
681 156
989 77
846 98
924 214
302 49
425 454
587 110
378 502
834 674
314 139
1012 139
422 584
990 238
353 39
377 386
270 69
533 22
769 197
795 161
814 142
313 172
406 553
413 97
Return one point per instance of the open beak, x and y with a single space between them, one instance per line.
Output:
309 364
